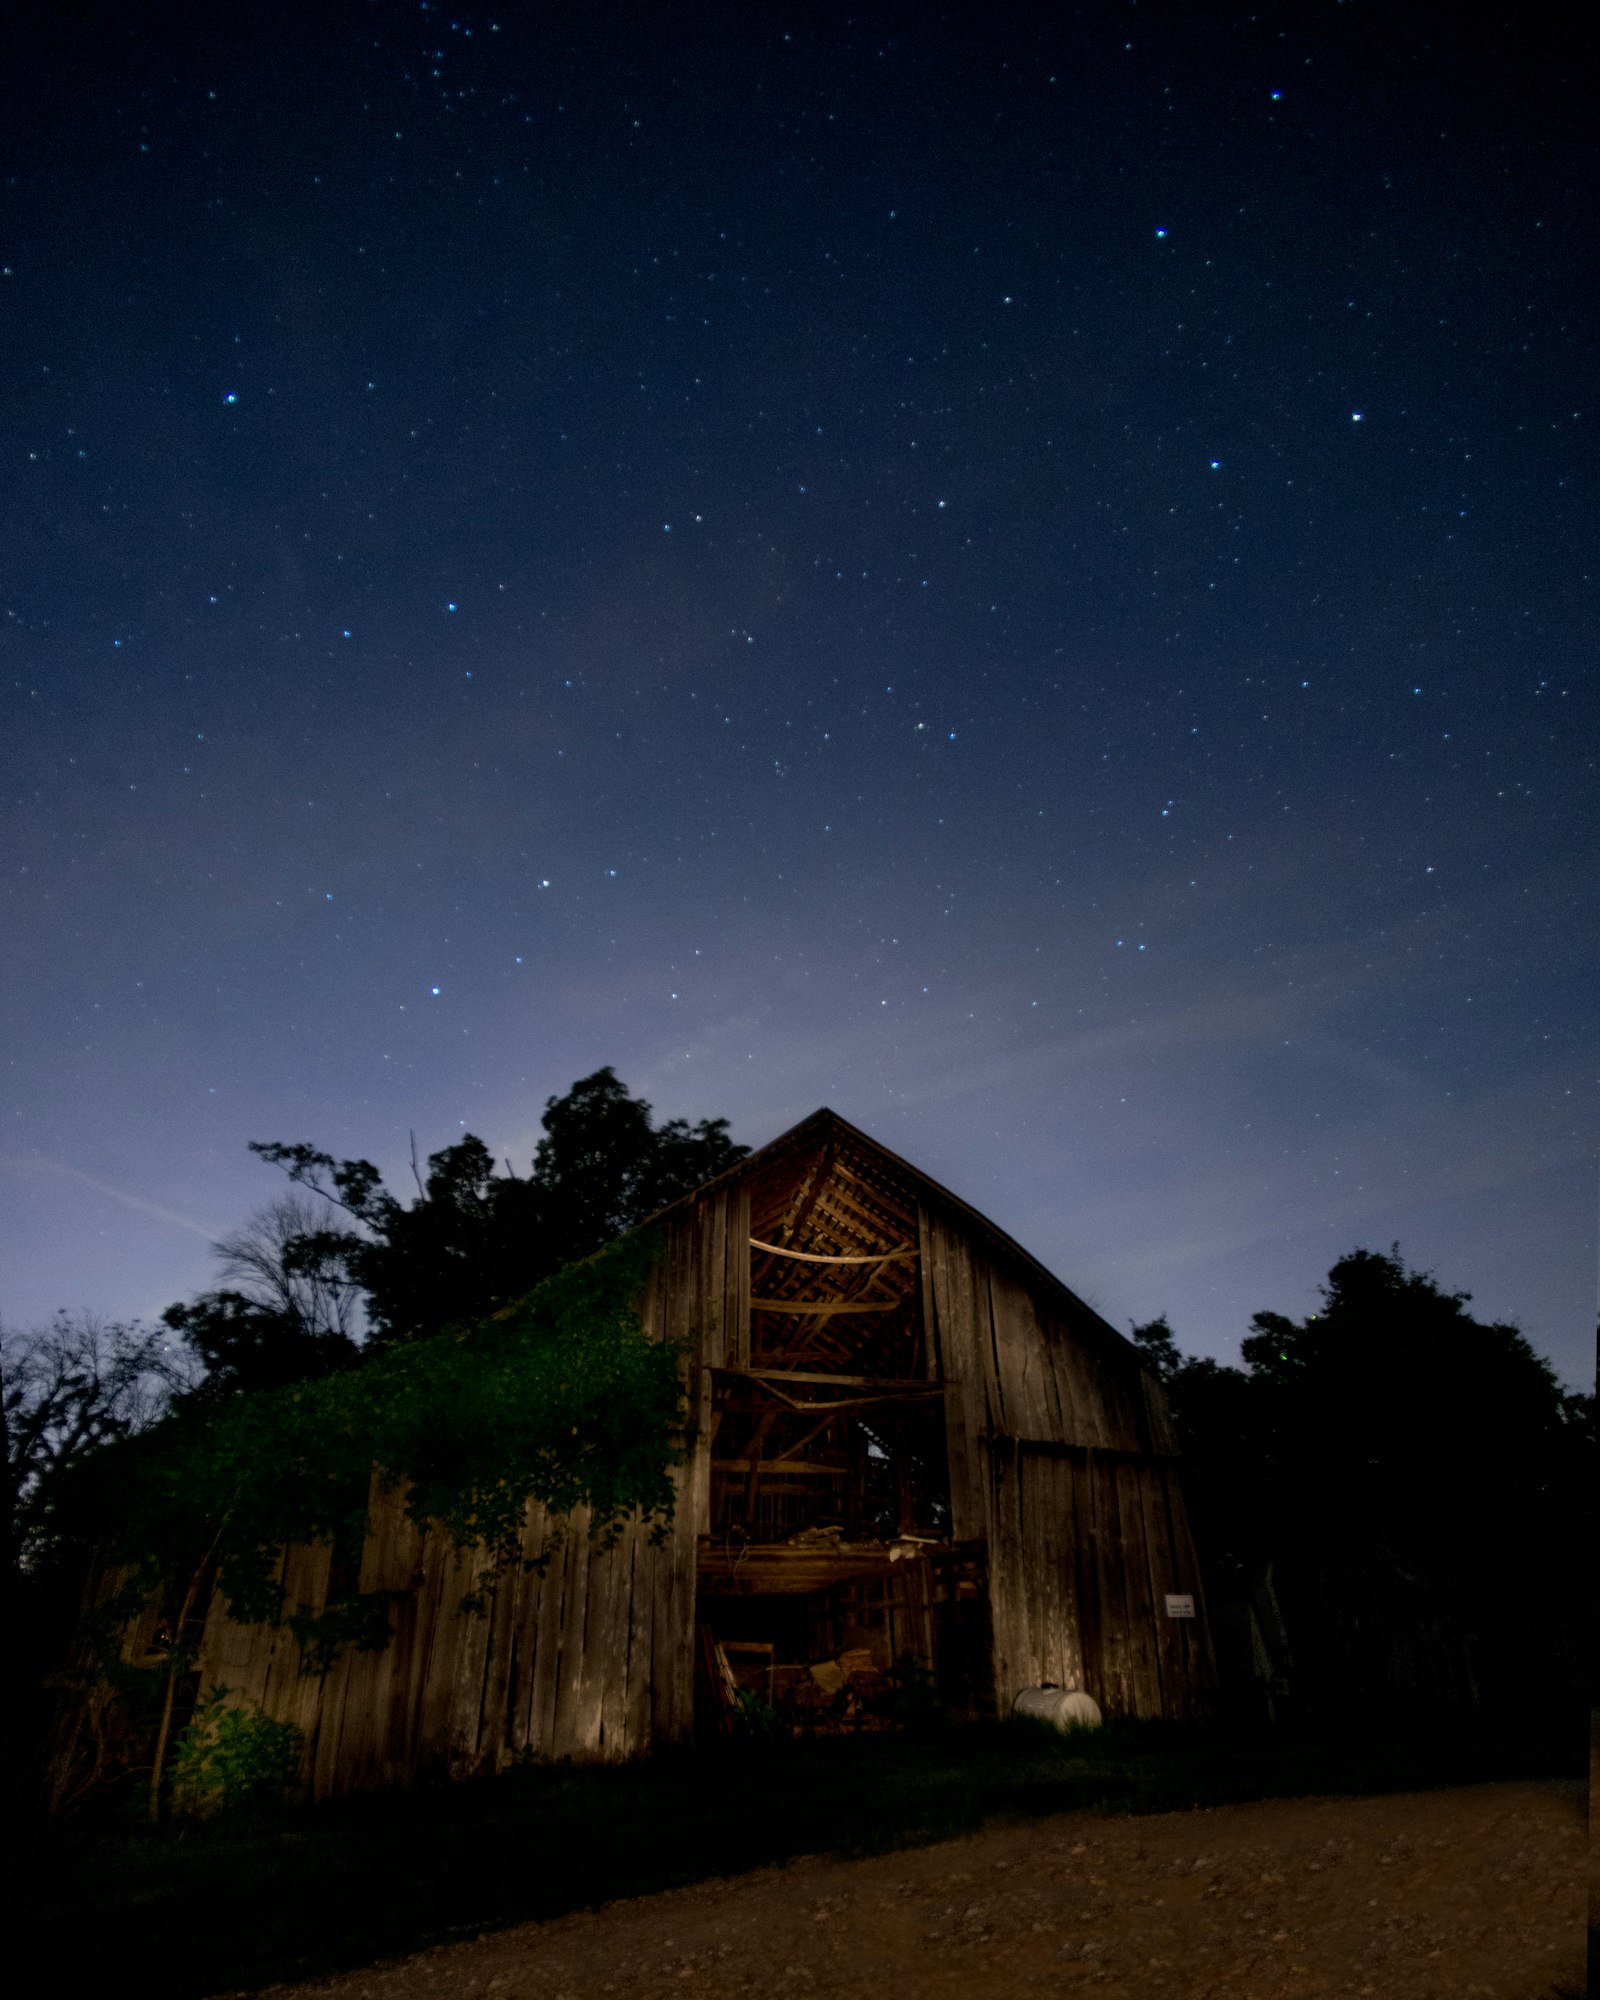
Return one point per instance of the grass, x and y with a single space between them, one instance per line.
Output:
242 1904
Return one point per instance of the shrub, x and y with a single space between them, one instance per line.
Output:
232 1755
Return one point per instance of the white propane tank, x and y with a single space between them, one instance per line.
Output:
1064 1708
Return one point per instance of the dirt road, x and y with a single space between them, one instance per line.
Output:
1474 1891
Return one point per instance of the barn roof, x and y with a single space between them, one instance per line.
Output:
824 1123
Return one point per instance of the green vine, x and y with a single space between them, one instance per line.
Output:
562 1400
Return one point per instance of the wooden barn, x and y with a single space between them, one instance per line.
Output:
904 1437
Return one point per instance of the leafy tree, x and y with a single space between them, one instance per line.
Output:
65 1390
1418 1478
1158 1344
292 1313
68 1393
474 1239
602 1166
1432 1420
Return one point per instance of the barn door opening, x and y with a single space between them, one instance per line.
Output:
826 1577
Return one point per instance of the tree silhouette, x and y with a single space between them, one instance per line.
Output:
471 1242
1416 1478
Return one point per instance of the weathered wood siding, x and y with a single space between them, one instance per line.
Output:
572 1661
590 1657
1063 1459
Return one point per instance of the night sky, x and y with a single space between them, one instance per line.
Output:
1021 574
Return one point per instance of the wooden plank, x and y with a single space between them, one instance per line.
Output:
932 1361
779 1569
852 1208
331 1773
1049 1532
610 1664
1199 1655
1159 1432
673 1603
525 1636
807 1437
849 1183
1023 1359
394 1749
364 1692
1008 1582
1170 1659
1121 1396
291 1695
1066 1388
546 1663
714 1268
232 1654
813 1307
1040 1534
988 1401
1085 1388
426 1598
757 1470
490 1753
809 1191
738 1342
987 1405
1006 1411
1143 1649
633 1726
504 1727
435 1709
1083 1565
393 1561
595 1656
906 1255
473 1631
889 1384
751 1465
565 1740
1115 1665
1118 1613
968 1502
610 1732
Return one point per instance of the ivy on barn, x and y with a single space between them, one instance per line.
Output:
560 1400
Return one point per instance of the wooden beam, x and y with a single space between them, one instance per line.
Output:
822 1167
889 1385
826 1306
801 1467
814 1257
856 1288
844 1174
764 1424
805 1438
836 1204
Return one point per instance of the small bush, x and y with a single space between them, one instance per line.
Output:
231 1756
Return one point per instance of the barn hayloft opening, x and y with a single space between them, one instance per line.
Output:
829 1586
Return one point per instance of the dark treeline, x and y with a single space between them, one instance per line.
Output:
1391 1498
1393 1505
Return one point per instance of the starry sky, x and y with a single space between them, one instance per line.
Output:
1022 574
